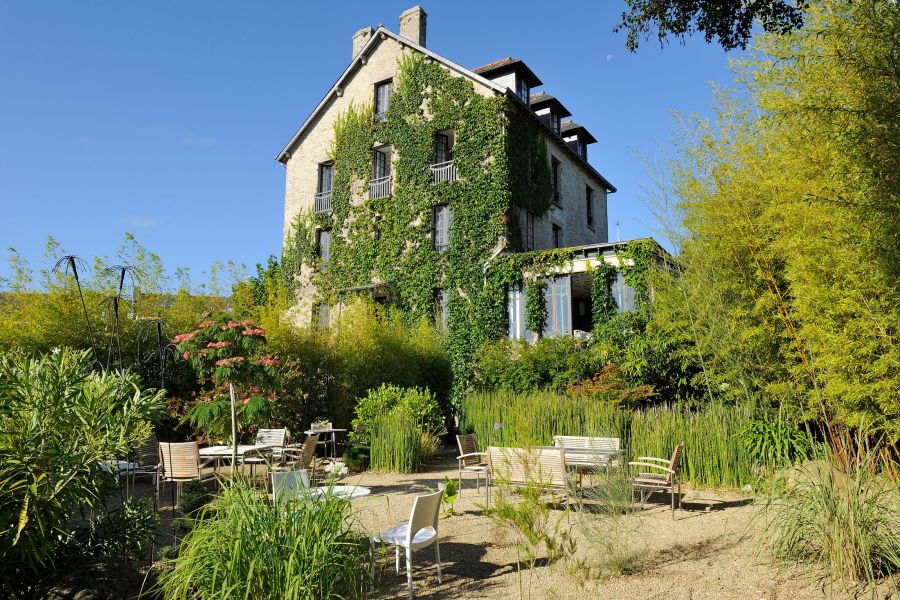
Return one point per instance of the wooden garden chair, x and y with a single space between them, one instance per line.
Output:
471 460
179 462
302 456
662 476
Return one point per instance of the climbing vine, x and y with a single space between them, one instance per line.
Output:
502 166
603 304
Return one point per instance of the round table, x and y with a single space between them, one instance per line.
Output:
347 492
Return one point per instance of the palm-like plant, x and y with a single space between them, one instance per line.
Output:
69 263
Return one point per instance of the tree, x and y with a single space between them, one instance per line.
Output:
790 202
730 21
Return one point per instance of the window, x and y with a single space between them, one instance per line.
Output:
623 293
559 309
557 236
582 149
440 230
515 307
381 164
441 148
522 90
326 177
589 205
528 234
324 248
324 316
555 167
382 97
554 122
441 312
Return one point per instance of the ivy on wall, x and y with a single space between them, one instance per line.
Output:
502 166
603 304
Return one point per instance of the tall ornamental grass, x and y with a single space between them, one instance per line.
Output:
714 456
400 443
253 549
840 511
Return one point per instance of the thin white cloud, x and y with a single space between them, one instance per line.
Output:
198 141
609 57
142 221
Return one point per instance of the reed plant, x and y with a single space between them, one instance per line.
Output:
252 548
714 455
400 443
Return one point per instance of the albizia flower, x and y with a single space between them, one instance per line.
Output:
270 361
255 331
184 337
186 355
218 344
227 362
205 324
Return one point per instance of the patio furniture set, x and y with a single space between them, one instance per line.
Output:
560 468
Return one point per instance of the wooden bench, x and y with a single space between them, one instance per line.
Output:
519 468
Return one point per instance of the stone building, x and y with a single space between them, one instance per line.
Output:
574 216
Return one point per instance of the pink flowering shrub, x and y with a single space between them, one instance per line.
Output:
221 352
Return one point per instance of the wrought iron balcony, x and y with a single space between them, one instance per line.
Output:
380 188
322 203
445 171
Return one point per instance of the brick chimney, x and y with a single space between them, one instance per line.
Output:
360 39
412 24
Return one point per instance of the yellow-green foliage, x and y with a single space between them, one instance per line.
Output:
791 213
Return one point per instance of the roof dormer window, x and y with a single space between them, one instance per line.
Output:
522 90
554 122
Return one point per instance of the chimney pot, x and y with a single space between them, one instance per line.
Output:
360 39
412 24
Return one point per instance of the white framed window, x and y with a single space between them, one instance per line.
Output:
382 98
623 293
515 313
554 122
326 177
557 296
441 310
324 248
440 230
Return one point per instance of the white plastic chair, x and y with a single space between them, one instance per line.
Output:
288 485
420 532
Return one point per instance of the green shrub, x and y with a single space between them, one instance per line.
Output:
417 406
126 531
195 496
775 442
519 366
365 346
357 456
253 548
58 421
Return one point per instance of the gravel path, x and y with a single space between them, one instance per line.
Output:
705 553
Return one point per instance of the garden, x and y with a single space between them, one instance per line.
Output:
735 435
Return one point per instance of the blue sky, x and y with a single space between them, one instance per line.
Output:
163 119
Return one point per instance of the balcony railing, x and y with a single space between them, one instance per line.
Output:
445 171
380 188
322 203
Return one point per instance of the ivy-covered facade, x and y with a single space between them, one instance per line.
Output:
422 184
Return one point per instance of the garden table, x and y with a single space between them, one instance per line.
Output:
333 438
587 459
217 453
350 492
